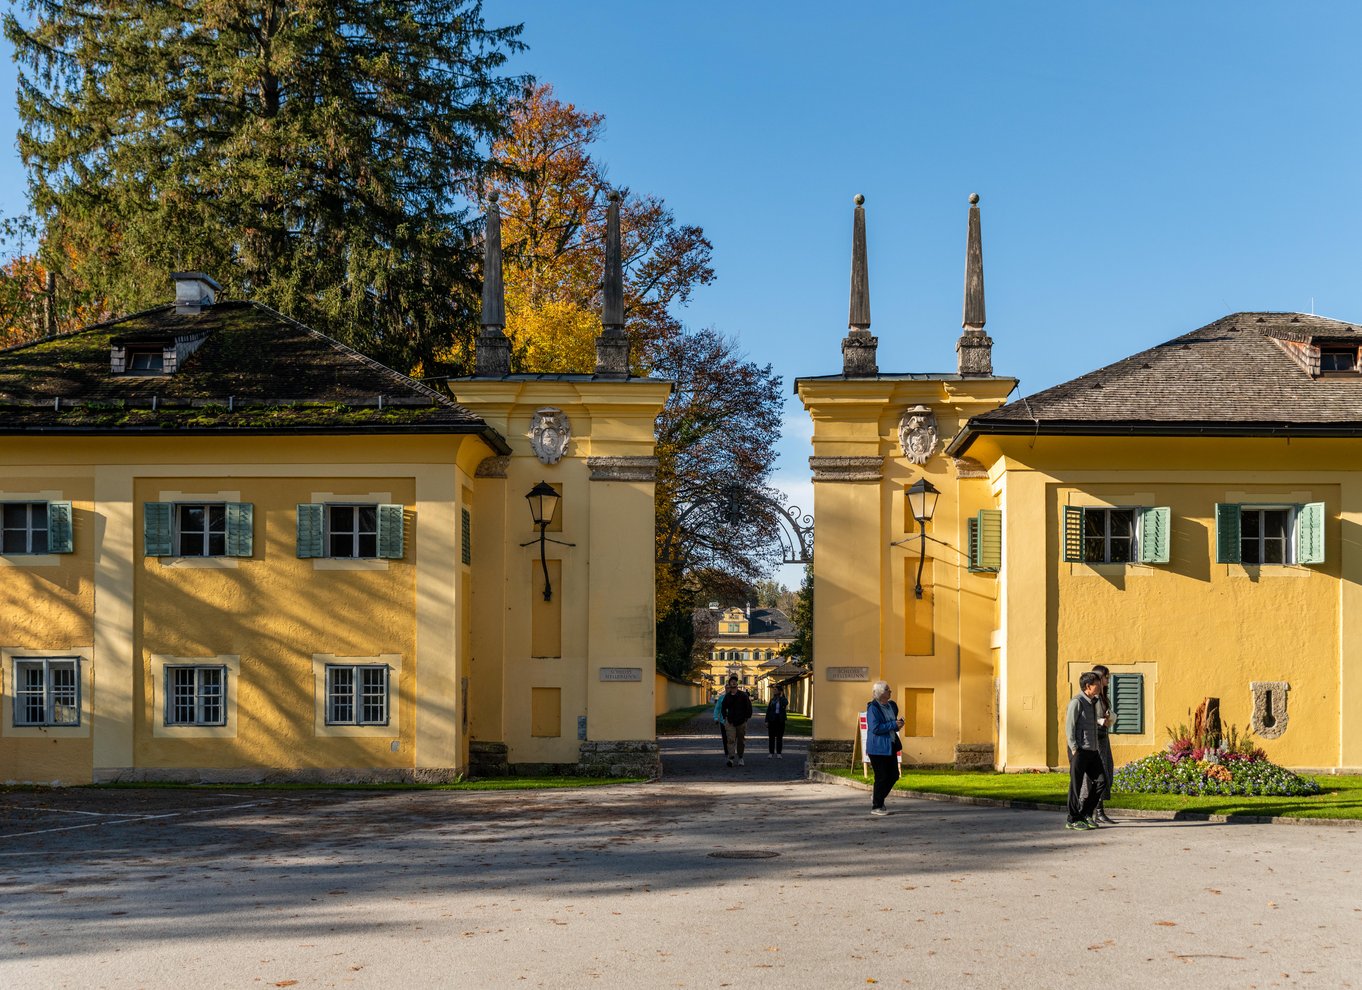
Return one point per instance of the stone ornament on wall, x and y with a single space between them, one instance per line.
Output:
1269 708
917 434
549 434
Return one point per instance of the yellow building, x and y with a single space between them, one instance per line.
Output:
236 549
746 643
1182 516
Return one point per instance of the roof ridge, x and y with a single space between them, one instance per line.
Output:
364 359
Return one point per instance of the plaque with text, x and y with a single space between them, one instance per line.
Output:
848 673
621 673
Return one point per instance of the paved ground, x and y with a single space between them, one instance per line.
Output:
621 887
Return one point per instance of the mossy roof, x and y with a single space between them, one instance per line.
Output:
255 370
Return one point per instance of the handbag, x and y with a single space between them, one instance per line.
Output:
898 744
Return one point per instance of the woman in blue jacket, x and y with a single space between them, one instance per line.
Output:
882 733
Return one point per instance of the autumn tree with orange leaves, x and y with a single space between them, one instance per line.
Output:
716 437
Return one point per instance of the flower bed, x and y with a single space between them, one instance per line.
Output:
1210 772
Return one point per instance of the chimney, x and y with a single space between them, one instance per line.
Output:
612 346
492 359
974 349
858 347
194 292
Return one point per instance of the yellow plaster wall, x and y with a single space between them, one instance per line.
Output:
602 586
1194 627
47 603
273 611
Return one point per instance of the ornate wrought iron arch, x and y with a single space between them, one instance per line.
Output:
795 530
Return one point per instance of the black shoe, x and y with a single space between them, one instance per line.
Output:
1102 818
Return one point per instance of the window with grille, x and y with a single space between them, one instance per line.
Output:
467 536
356 694
47 691
196 695
25 527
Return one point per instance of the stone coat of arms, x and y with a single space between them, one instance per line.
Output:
549 434
917 434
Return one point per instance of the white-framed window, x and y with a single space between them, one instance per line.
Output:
46 691
201 530
198 529
356 694
352 530
146 361
1109 536
1095 534
25 527
196 695
1248 533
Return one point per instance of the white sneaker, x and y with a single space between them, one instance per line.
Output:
779 756
770 756
740 762
879 812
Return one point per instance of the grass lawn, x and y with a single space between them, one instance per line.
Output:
481 784
1342 797
673 723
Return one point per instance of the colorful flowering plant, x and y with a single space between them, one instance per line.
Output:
1191 766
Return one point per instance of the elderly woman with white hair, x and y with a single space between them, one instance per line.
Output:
882 743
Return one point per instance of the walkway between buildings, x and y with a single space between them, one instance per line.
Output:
698 755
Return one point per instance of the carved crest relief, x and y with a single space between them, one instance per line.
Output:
549 434
917 434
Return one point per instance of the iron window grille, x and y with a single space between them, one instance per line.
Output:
25 527
196 695
356 694
46 691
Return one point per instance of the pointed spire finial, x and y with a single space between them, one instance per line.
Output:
858 347
493 354
974 349
612 346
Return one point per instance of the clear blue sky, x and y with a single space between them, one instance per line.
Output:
1145 168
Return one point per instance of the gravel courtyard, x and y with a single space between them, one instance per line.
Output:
712 878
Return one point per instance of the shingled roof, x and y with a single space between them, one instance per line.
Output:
1252 374
251 369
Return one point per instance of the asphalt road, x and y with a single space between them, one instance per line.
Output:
625 887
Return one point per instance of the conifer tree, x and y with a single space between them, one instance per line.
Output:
310 155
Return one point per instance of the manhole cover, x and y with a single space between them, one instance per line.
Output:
745 854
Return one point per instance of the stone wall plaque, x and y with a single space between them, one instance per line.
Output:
848 673
621 673
550 431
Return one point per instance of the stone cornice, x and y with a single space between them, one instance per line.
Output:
847 468
622 468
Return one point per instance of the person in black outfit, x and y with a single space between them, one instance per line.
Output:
736 710
1106 717
1085 759
776 710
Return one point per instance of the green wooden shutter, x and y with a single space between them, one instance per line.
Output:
1127 700
467 535
1154 535
390 532
989 524
158 532
1227 547
972 542
1073 534
240 528
59 538
1310 533
311 529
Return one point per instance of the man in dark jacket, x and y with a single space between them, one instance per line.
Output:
1085 758
736 709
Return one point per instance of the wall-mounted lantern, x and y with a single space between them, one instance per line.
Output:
543 499
922 496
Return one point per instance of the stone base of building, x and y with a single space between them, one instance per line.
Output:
320 776
620 758
829 754
488 759
974 756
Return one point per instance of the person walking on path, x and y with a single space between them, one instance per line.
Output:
882 744
776 710
719 720
1106 718
1085 760
736 709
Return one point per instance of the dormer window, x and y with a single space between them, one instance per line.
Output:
145 362
1337 359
